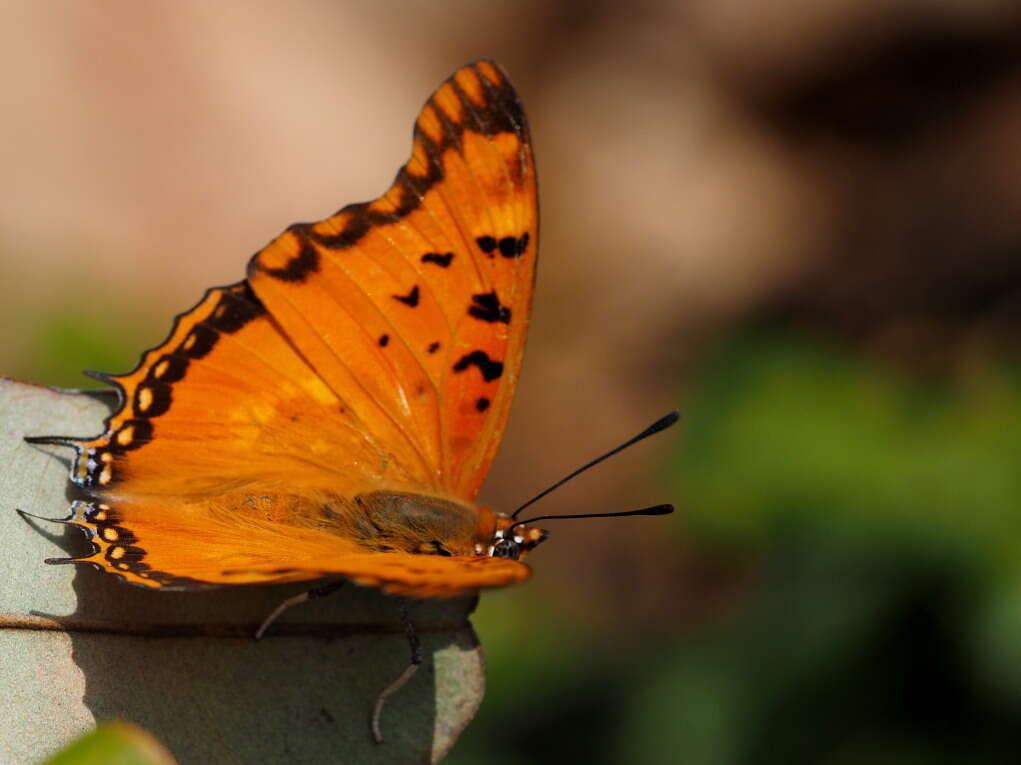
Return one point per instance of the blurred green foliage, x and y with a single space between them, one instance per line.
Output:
114 743
876 520
62 346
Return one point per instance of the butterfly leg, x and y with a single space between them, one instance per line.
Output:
406 675
316 592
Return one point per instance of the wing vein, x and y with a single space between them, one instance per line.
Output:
396 332
333 351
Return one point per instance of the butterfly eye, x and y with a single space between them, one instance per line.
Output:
506 548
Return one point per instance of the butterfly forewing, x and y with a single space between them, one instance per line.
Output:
224 403
414 307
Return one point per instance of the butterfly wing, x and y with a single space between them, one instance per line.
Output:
247 540
376 350
414 307
227 403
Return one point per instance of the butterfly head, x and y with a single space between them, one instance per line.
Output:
514 540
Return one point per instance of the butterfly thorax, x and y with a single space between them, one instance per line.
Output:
392 521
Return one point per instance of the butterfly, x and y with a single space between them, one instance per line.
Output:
334 414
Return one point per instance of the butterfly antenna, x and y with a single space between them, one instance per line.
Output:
661 424
655 510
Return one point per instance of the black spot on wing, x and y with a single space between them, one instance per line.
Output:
433 347
443 261
523 244
487 244
411 299
482 404
489 368
487 307
383 340
511 247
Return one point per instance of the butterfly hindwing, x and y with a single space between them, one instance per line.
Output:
255 540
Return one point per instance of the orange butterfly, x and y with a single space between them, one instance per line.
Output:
335 413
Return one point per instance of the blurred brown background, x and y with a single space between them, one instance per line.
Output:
797 221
